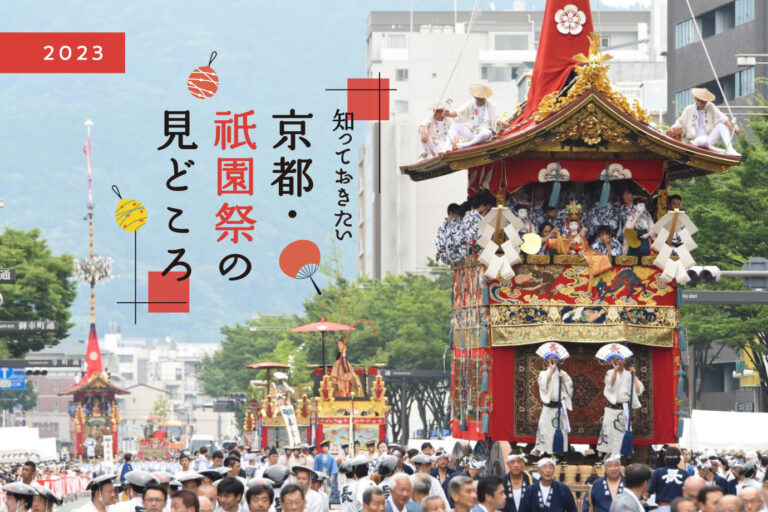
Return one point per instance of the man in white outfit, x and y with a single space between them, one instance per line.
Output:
423 465
304 476
434 130
477 118
136 480
618 386
704 124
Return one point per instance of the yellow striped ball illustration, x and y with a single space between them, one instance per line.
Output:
130 215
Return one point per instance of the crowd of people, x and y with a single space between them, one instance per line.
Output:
384 477
577 222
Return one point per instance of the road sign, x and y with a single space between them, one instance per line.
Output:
756 264
7 275
43 363
11 378
745 407
725 297
27 326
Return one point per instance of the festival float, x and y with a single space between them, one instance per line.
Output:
573 133
94 415
93 411
348 404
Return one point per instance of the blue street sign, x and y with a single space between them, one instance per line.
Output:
12 378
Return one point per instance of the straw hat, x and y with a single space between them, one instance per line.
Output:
480 91
703 94
440 105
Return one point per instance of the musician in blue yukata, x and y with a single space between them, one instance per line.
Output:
606 488
598 216
667 482
547 493
482 203
606 243
450 242
326 463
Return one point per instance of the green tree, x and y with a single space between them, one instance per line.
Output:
160 408
730 211
252 342
411 314
43 290
26 398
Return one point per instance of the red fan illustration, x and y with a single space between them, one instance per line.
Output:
300 260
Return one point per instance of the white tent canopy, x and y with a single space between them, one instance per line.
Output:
725 431
18 444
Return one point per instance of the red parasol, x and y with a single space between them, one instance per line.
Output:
322 327
268 366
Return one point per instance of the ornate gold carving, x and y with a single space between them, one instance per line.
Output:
592 126
591 74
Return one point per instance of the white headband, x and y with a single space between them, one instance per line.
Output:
516 456
544 461
612 457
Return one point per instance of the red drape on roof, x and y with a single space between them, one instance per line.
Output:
564 31
93 362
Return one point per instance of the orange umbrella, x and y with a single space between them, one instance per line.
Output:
268 366
322 327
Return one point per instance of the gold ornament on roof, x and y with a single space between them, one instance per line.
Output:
591 74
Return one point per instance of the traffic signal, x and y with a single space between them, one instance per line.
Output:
224 405
708 274
35 371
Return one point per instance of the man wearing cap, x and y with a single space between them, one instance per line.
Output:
317 486
19 496
402 467
477 118
190 480
423 465
704 124
287 458
326 463
371 453
434 131
618 386
45 499
136 482
547 493
442 472
103 494
347 488
363 479
707 472
515 482
304 477
387 467
606 488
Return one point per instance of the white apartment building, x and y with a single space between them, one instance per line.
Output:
417 52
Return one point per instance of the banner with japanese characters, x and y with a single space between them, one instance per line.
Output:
199 162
